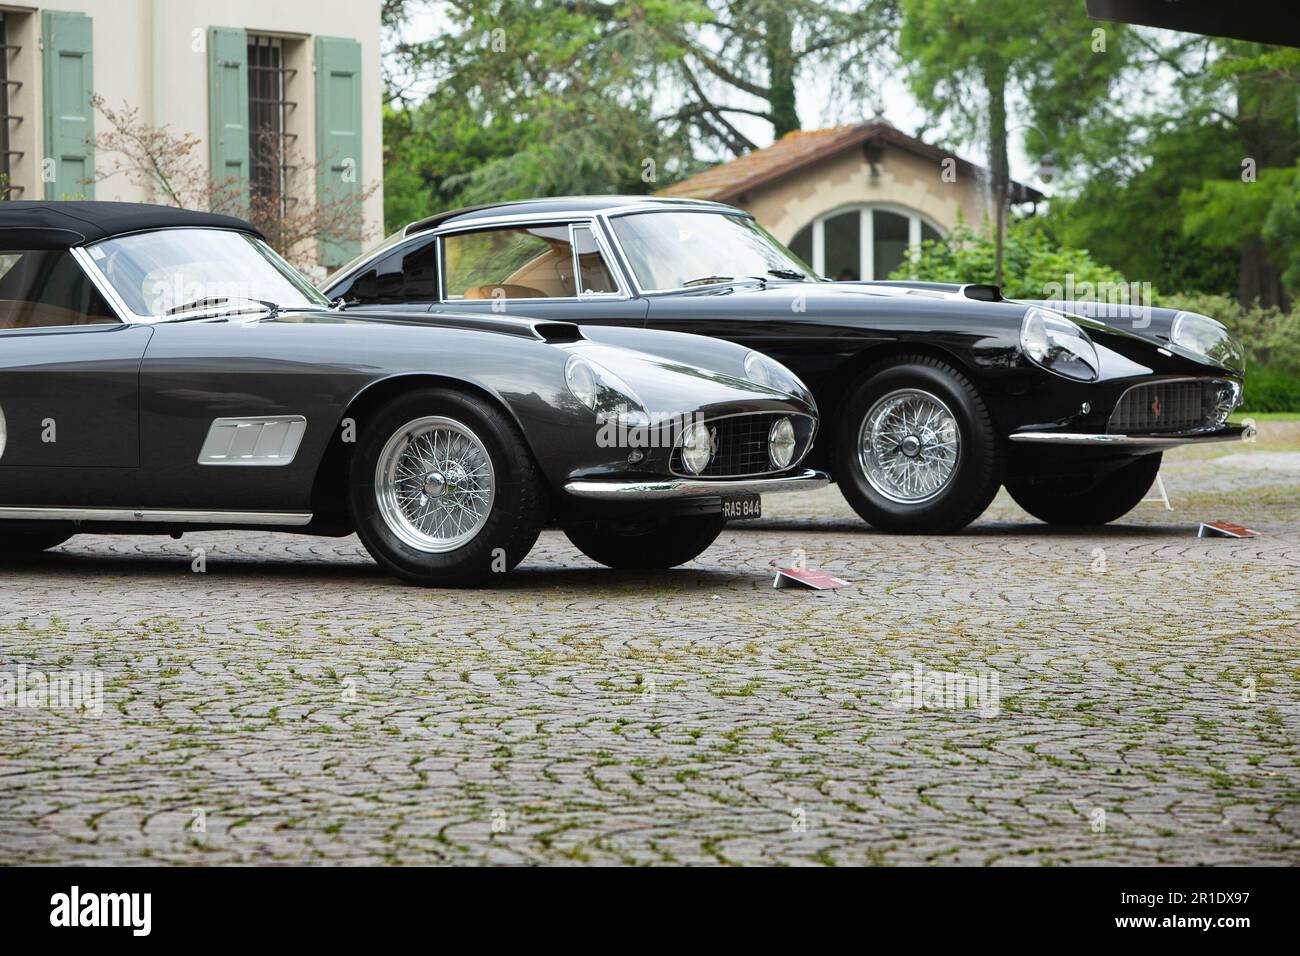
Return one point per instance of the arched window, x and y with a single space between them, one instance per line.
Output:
862 242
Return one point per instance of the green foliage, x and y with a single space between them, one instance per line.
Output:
1032 262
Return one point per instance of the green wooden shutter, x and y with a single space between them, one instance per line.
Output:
228 111
338 133
68 76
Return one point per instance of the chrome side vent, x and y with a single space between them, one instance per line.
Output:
271 440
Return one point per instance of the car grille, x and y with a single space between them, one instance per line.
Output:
1173 406
740 443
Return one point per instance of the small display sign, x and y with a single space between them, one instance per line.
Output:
1224 529
808 578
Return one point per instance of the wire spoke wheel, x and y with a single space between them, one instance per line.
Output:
434 484
909 445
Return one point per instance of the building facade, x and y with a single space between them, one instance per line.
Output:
267 87
853 200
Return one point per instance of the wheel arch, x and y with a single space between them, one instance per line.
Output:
328 495
831 396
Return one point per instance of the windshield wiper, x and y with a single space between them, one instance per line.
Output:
707 280
786 274
210 301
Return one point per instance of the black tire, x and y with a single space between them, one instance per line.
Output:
514 519
664 543
16 544
1092 499
980 458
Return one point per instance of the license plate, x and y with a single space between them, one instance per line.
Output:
736 507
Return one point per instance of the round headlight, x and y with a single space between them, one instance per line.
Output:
697 448
781 443
768 372
1207 339
582 380
1058 345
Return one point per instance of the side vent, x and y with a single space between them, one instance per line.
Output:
982 293
272 440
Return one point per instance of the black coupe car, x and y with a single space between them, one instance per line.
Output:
164 370
932 395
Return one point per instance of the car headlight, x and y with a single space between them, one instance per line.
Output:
1207 339
768 372
697 448
781 443
1058 345
602 391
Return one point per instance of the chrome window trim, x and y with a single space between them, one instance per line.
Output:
91 268
605 236
571 220
294 519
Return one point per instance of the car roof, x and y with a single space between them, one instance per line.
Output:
38 224
578 205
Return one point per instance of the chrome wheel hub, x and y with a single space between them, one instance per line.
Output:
909 445
434 484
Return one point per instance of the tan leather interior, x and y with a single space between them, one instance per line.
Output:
19 314
508 291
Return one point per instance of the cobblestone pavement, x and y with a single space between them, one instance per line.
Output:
292 704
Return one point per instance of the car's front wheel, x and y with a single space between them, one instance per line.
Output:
1089 499
16 544
442 489
915 449
657 543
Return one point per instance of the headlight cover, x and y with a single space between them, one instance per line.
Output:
1205 338
768 372
603 392
1055 343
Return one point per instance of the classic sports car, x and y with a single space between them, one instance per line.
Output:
164 370
934 395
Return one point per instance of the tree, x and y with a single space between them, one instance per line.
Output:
970 59
514 97
170 167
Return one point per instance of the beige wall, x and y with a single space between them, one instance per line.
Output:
905 179
152 54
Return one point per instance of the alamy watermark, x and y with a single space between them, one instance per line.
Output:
81 691
1119 300
921 689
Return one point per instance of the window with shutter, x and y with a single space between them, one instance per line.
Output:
338 133
228 111
68 77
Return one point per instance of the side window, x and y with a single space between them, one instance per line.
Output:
407 274
47 288
523 262
594 274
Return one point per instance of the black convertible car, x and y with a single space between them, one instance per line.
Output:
164 370
933 395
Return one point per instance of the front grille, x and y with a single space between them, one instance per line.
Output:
1172 406
740 443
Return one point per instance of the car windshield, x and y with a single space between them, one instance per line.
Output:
676 250
173 271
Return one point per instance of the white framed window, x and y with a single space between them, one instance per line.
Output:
866 241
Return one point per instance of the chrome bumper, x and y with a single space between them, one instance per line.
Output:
1232 433
668 488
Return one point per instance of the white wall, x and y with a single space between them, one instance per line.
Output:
151 54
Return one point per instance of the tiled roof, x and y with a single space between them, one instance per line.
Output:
802 148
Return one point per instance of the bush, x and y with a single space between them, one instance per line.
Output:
1271 339
1031 262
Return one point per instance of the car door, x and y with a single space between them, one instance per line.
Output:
69 380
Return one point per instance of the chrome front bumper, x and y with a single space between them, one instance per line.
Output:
669 488
1090 439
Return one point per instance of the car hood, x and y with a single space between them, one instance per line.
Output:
665 383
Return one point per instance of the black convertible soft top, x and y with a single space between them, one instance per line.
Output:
35 224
